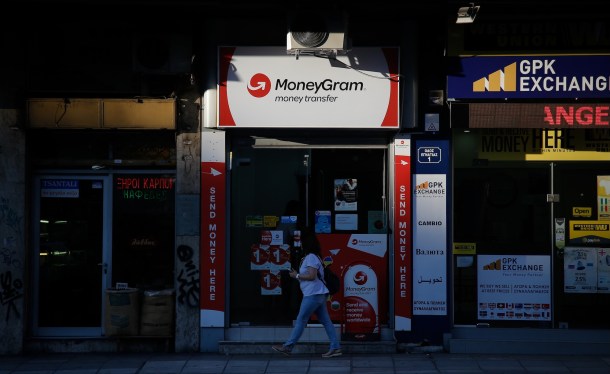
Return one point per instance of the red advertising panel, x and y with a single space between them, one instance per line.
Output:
213 232
361 261
403 283
539 115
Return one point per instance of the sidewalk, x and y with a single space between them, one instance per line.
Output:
204 363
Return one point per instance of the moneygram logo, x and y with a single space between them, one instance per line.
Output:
259 85
500 80
360 278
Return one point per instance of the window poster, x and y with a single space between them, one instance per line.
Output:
346 222
254 221
586 270
270 257
271 282
272 237
279 257
580 270
346 194
514 288
603 270
259 257
376 222
323 222
603 197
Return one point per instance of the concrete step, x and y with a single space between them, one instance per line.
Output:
306 347
259 339
528 341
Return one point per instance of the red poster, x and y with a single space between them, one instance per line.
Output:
213 233
403 286
360 260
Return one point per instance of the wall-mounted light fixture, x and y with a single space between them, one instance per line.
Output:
467 14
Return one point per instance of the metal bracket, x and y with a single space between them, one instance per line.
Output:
552 198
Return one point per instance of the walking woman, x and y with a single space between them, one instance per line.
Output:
315 295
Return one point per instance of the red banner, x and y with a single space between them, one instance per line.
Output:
403 276
213 233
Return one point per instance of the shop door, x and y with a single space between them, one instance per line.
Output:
70 220
501 221
283 190
582 245
533 209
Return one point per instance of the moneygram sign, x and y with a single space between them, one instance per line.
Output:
265 87
535 77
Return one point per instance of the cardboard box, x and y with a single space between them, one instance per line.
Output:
122 312
157 317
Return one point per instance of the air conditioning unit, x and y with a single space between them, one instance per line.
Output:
318 34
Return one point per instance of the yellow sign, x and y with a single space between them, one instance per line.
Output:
464 248
590 232
603 197
519 144
254 221
270 221
582 212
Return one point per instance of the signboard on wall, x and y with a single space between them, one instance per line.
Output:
141 240
430 228
60 188
265 87
403 295
531 77
539 115
514 288
510 144
589 232
213 230
515 35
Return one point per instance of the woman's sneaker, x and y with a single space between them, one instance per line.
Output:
282 349
333 353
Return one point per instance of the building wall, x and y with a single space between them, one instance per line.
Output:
56 55
13 259
187 234
13 203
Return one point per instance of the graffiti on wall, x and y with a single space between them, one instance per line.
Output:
10 291
188 277
11 287
9 217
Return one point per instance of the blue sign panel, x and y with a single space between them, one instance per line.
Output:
531 77
429 155
432 156
60 188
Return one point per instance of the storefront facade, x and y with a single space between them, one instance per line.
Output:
319 150
242 146
530 135
118 191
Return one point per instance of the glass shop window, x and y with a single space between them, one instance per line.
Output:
143 230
